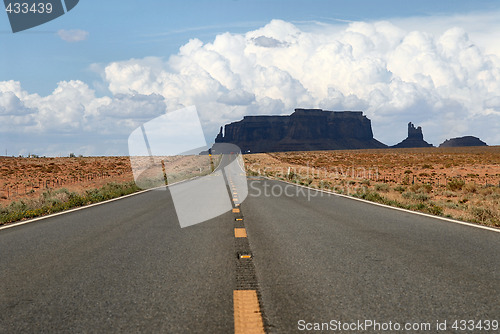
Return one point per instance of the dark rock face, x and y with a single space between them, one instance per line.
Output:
463 142
415 138
304 130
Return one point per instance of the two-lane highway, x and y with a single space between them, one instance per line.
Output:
127 266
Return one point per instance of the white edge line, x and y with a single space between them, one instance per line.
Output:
95 204
75 209
393 207
87 206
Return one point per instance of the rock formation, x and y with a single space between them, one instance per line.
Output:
415 138
304 130
463 142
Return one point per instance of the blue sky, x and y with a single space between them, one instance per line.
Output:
121 30
109 35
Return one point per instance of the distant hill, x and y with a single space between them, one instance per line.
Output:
415 138
304 130
463 142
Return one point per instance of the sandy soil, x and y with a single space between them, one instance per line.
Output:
463 183
428 165
419 177
29 177
22 178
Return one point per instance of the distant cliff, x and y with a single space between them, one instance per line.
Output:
463 142
415 138
304 130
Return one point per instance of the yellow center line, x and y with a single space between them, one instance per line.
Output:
247 315
240 232
236 210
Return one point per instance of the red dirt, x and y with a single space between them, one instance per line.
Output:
22 178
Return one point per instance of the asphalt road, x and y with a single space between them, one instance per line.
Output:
330 258
127 266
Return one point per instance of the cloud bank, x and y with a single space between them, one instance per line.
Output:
441 79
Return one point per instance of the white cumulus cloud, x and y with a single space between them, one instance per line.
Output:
443 80
75 35
443 75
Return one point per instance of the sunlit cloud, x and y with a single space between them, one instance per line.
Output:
443 74
75 35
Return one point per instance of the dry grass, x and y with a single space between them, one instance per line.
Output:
462 183
28 178
52 201
31 187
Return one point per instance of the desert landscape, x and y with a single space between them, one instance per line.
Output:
32 187
25 178
461 183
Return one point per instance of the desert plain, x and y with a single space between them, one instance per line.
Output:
460 183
